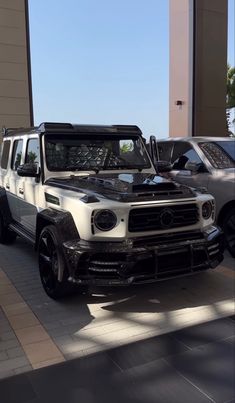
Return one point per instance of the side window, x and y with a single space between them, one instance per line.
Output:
164 150
5 154
126 146
126 151
32 153
183 153
17 154
132 152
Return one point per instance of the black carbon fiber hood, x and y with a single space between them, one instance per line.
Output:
124 187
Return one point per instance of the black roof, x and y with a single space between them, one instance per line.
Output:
51 127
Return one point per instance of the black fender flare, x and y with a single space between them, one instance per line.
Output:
4 207
65 226
62 220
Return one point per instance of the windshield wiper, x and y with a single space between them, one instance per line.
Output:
86 169
140 168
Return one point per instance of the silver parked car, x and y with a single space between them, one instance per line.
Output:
206 162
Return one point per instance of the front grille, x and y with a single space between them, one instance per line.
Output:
163 239
172 262
158 218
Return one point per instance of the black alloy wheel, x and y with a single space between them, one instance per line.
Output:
229 231
51 261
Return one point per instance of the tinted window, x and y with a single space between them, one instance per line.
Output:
95 152
229 147
220 154
178 154
16 155
5 154
32 154
183 153
165 150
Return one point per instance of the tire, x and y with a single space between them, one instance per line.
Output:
50 260
229 231
6 236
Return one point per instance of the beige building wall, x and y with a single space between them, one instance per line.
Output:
15 80
181 67
198 62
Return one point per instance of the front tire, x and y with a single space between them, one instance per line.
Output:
229 231
6 236
51 262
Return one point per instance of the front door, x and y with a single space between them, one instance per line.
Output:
28 189
179 154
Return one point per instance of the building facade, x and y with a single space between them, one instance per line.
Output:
198 67
16 108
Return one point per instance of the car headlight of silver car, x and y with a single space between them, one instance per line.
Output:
207 210
105 220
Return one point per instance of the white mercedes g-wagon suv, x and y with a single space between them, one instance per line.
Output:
93 205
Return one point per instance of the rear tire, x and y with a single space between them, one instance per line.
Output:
229 231
6 236
51 261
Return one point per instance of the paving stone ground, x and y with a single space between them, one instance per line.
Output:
193 365
37 331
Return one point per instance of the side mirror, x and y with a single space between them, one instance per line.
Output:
152 149
195 167
30 170
163 166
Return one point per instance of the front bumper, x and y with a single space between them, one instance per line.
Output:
143 260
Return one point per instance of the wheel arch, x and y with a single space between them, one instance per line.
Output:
62 220
224 211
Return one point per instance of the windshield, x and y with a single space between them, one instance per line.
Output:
221 154
66 152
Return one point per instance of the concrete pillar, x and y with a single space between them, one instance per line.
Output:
181 67
15 76
198 63
210 68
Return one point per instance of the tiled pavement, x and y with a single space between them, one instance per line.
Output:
36 331
193 365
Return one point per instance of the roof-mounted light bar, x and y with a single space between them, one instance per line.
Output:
45 126
74 128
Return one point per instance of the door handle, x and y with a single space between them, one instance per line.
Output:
7 187
21 191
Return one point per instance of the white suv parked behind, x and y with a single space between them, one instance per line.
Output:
91 203
205 162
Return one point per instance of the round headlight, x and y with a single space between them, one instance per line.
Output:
105 220
207 210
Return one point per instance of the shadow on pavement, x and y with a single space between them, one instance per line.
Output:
194 365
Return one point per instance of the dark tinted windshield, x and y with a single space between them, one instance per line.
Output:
65 152
221 154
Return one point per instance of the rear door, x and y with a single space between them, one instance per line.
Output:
5 164
12 178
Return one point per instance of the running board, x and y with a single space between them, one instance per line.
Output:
22 232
